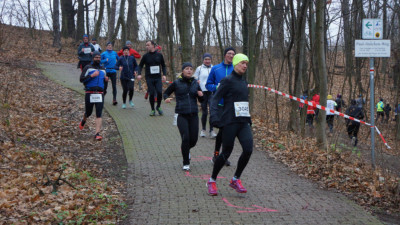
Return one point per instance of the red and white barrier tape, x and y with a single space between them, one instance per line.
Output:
320 107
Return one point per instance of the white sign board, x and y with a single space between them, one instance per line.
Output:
372 29
372 48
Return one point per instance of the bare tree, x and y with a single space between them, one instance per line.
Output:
233 24
162 14
80 21
56 24
277 18
132 24
120 24
99 21
184 21
111 11
217 28
200 32
68 22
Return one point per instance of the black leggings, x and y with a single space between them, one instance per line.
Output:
243 132
218 140
353 128
113 77
188 125
127 87
89 106
329 121
204 108
154 86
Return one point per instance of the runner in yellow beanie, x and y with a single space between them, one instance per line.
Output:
238 58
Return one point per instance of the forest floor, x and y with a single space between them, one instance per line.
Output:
43 165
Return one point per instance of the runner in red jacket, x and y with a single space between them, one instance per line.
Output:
132 51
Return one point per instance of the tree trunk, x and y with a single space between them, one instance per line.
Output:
99 21
132 24
233 24
56 24
80 21
120 23
348 43
87 17
171 40
111 11
217 29
184 22
162 14
277 18
322 73
200 33
68 22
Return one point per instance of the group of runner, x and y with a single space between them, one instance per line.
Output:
222 88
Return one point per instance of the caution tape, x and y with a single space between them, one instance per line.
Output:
320 107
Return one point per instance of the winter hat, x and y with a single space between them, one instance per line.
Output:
95 53
85 35
128 43
125 47
186 64
109 43
329 97
207 55
229 49
238 58
94 39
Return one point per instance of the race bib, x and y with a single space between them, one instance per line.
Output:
242 109
95 98
87 50
154 69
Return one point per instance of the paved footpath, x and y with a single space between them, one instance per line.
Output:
164 194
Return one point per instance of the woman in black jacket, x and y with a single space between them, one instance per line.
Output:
235 121
128 66
187 92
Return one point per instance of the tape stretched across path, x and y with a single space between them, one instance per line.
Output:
320 107
316 105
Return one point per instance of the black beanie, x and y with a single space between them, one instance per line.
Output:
186 64
229 49
95 53
125 47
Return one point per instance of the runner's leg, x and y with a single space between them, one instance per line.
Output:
183 126
158 88
150 90
124 84
245 137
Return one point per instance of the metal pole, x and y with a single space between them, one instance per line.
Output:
372 107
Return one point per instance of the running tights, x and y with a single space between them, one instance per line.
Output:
188 125
243 132
127 88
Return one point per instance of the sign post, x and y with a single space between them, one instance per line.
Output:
374 46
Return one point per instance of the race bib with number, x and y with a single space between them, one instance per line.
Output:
154 69
242 109
95 98
87 50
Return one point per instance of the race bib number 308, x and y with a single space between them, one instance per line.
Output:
95 98
242 109
154 69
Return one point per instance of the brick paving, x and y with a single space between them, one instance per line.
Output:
164 194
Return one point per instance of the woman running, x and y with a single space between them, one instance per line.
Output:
187 92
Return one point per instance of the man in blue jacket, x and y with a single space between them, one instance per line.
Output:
108 60
218 72
93 77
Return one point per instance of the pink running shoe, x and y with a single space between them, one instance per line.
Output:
212 188
237 185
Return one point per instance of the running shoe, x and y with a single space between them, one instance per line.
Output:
237 185
81 124
153 113
213 134
131 104
115 102
98 137
124 106
202 133
212 188
186 167
159 110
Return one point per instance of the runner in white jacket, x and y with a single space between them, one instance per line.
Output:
330 104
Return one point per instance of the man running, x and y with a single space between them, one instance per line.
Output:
216 74
131 50
201 74
235 121
330 104
108 60
95 45
93 77
153 60
85 51
352 126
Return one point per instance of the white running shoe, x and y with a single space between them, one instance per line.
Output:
186 167
213 134
202 133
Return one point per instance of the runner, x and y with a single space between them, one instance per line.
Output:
95 45
93 77
153 60
379 110
85 51
187 91
216 74
201 75
235 120
330 104
352 126
131 50
128 66
109 59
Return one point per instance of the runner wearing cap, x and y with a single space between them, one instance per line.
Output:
187 91
201 74
93 77
216 74
95 45
235 120
85 51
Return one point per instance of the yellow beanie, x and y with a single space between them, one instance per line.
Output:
238 58
329 97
